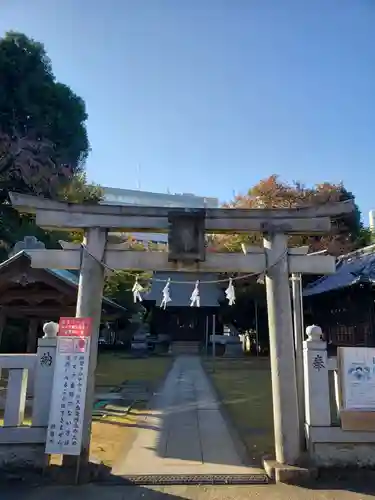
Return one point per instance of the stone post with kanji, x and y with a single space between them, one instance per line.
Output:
317 398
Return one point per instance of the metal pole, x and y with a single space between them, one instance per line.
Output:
2 327
207 335
284 384
298 346
256 326
213 340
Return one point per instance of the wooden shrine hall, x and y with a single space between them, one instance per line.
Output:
179 321
29 297
343 304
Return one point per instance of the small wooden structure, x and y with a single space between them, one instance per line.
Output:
29 297
343 303
179 321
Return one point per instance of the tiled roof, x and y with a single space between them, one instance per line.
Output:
63 274
354 268
74 279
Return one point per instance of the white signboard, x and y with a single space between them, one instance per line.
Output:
357 370
64 435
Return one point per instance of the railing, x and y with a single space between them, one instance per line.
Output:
327 443
14 428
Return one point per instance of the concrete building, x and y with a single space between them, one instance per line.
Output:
116 196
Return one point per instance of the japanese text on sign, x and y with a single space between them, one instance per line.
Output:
74 327
64 434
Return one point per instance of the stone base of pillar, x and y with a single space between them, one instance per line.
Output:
290 474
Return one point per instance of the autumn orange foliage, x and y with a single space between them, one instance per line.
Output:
274 193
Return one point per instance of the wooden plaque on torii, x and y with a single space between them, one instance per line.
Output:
186 235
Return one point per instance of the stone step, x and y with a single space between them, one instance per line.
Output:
185 348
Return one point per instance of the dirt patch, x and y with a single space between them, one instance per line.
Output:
134 380
112 437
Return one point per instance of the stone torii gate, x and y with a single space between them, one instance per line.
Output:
186 230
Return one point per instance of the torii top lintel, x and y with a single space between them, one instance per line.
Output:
305 220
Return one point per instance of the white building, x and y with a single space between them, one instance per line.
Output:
115 196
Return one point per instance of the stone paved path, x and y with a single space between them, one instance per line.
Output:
185 432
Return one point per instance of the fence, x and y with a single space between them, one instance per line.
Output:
327 443
22 438
23 441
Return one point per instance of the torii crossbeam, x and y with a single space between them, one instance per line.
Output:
275 260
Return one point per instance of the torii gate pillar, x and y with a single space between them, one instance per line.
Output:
89 305
284 383
97 220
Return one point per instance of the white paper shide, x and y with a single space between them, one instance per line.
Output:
64 435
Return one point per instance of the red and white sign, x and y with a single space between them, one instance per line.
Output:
71 345
64 433
75 327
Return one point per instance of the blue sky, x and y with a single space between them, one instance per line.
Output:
210 96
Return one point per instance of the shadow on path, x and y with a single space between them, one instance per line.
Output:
88 492
184 432
332 485
351 488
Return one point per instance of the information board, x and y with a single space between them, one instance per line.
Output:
357 377
64 433
75 327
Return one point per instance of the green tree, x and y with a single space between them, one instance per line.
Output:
43 146
43 137
78 190
118 286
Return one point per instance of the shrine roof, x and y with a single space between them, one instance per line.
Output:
74 279
351 269
62 274
180 291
